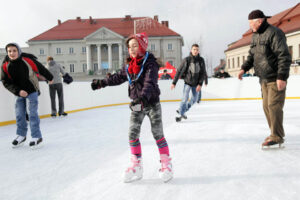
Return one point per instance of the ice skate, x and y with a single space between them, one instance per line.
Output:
35 143
183 116
62 114
270 144
19 141
165 172
135 172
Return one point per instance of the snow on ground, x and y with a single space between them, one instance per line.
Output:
216 155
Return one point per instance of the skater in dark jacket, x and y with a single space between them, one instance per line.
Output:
19 75
192 69
142 75
270 57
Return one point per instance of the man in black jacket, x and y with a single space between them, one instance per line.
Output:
193 71
19 75
270 57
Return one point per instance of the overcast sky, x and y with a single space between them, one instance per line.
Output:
214 23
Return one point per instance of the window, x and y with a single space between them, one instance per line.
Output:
115 49
72 68
71 50
299 51
84 67
169 47
58 50
243 59
291 51
238 62
83 49
42 52
95 67
228 63
232 62
152 47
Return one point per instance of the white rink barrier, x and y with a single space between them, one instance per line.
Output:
79 95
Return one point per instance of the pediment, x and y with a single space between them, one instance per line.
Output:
104 34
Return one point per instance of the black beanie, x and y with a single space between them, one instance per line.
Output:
255 14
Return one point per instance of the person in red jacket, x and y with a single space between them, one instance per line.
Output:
19 75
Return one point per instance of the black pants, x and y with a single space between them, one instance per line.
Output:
53 88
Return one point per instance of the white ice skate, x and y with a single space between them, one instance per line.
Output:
19 141
166 172
135 172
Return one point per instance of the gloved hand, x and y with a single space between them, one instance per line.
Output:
138 104
96 84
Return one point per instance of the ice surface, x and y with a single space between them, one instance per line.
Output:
216 154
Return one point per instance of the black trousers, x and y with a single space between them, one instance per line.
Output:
53 88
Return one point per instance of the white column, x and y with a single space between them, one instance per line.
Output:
88 58
99 56
109 56
121 55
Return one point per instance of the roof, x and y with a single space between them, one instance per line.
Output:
80 28
288 21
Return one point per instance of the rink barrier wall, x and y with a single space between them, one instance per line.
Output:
78 96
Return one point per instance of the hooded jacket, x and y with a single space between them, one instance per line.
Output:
145 86
22 76
268 54
192 70
56 70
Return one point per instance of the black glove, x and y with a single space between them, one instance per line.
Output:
138 104
95 84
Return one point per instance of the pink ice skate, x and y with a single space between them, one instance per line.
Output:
166 172
135 172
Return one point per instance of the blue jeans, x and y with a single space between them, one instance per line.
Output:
34 120
185 104
199 96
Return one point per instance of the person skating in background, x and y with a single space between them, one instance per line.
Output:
19 75
56 87
142 75
193 71
270 57
222 74
165 75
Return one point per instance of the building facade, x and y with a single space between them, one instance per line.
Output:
288 21
98 45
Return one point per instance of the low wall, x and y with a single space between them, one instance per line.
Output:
79 96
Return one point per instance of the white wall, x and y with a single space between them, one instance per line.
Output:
78 95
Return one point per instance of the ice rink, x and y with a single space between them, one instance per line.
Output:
216 154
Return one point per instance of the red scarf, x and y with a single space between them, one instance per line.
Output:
134 67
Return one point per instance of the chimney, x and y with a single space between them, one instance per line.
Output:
58 22
78 19
127 17
167 24
155 18
91 20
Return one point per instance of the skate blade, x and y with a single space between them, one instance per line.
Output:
36 147
168 179
273 147
133 179
17 146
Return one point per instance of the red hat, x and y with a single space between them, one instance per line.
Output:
142 39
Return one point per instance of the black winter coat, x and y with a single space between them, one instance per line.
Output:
269 54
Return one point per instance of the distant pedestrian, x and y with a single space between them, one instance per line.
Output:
57 87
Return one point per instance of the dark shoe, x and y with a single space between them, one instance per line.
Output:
35 142
18 141
62 114
53 115
270 143
183 116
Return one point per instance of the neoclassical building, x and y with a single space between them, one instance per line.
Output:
288 21
98 45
